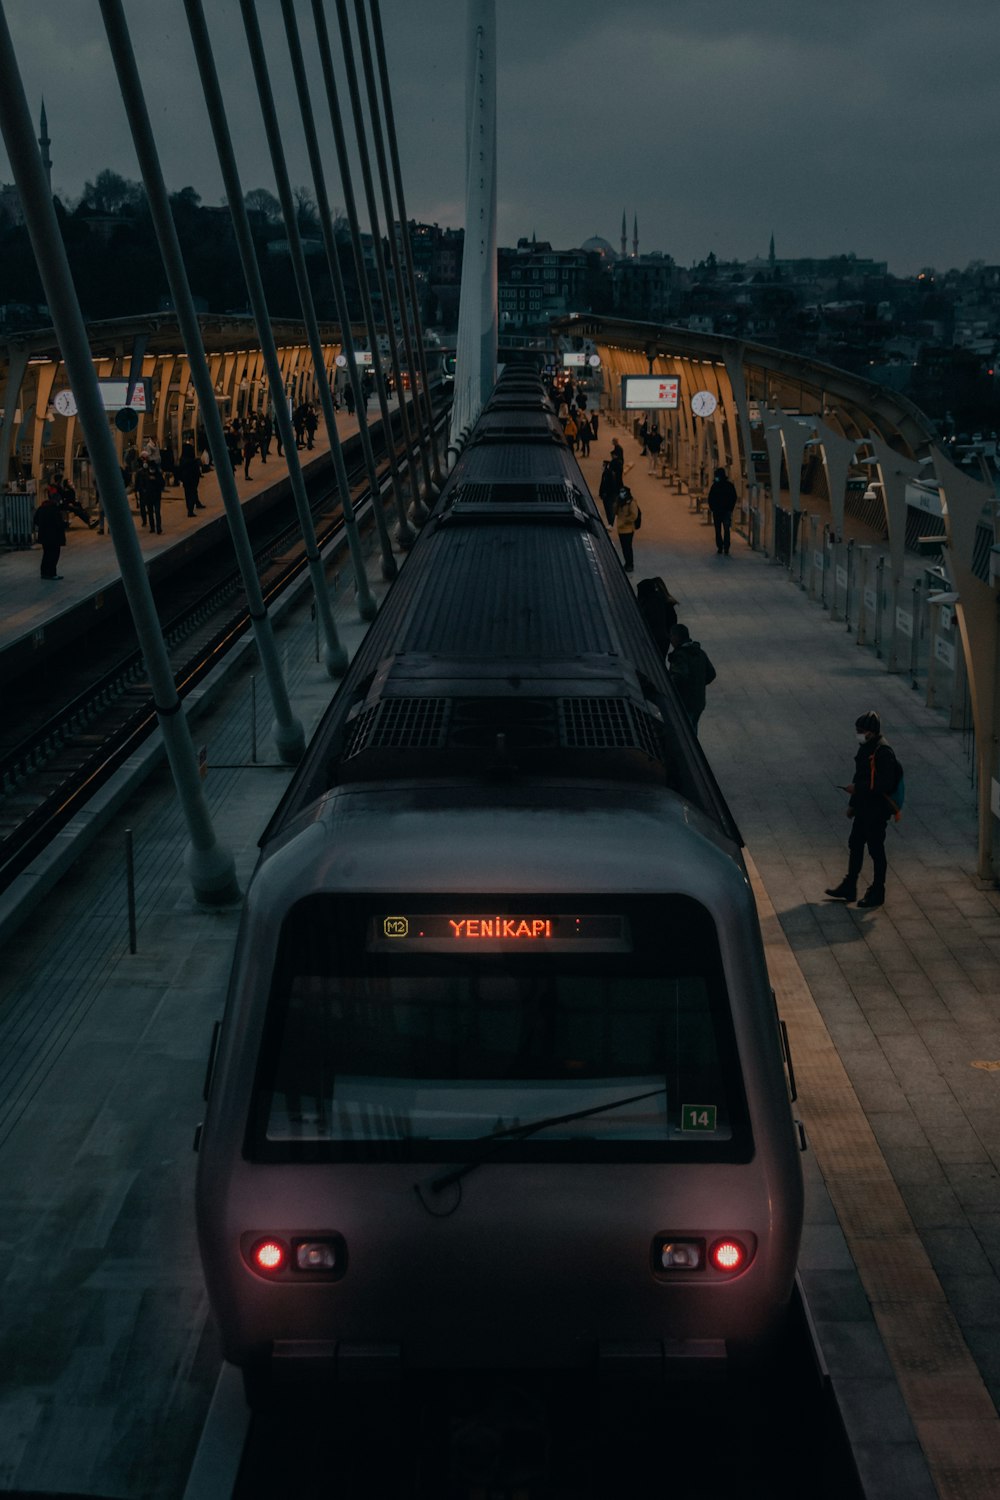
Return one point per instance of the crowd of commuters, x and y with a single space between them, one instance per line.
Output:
149 470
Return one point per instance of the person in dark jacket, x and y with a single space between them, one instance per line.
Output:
722 502
659 610
611 483
51 528
876 773
189 474
690 671
149 493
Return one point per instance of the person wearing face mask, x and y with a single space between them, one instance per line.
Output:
876 774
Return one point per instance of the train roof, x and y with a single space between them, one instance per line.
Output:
510 646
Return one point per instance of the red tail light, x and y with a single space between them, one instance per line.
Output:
269 1256
728 1255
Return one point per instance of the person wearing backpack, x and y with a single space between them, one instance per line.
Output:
628 519
874 798
691 672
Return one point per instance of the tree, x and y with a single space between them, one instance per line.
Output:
110 193
306 212
262 202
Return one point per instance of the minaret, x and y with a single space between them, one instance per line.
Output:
624 235
770 254
43 145
635 236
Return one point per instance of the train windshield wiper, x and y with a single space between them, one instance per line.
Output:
521 1132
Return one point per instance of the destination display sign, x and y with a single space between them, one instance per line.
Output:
643 392
482 931
571 361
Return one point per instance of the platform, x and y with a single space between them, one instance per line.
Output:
88 563
108 1360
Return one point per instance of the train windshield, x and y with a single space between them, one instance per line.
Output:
417 1029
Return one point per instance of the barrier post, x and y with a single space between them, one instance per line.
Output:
862 634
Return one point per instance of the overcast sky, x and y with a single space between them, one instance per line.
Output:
848 125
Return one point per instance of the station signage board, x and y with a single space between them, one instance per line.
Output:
573 361
644 392
114 395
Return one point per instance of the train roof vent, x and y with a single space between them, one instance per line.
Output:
525 426
524 493
608 724
400 724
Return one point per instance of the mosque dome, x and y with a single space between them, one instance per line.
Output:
600 247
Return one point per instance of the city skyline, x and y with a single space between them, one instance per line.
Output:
717 129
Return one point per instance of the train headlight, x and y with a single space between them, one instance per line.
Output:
728 1255
681 1255
269 1257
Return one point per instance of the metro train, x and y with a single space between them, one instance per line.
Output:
500 1081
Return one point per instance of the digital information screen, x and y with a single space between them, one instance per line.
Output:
642 392
440 932
573 361
114 394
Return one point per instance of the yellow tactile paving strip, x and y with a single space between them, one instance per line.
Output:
950 1407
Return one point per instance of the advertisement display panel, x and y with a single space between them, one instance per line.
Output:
643 392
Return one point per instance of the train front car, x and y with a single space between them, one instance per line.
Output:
500 1079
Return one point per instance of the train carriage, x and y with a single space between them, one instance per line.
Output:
500 1079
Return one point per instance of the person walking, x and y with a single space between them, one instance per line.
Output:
189 473
654 442
584 434
626 522
349 398
876 776
51 528
722 503
691 672
310 422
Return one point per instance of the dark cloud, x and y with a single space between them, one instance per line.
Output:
863 125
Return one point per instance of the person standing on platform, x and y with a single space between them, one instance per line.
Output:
266 434
654 443
310 421
570 432
626 522
51 528
608 489
349 399
189 473
658 608
722 502
149 492
584 434
249 449
690 672
876 777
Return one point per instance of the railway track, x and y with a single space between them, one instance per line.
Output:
63 742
